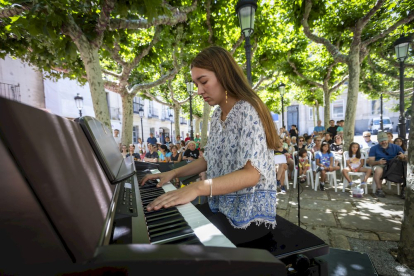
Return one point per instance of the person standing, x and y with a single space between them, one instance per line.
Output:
197 140
332 129
117 138
319 128
293 132
152 140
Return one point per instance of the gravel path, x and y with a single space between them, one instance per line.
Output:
379 252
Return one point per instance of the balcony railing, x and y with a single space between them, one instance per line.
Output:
115 113
153 113
183 121
10 91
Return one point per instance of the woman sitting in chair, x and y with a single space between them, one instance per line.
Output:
355 162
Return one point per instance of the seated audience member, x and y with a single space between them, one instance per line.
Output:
287 144
187 138
304 164
337 145
191 153
399 142
165 154
167 141
367 144
328 138
152 154
390 138
355 162
301 144
175 155
309 143
281 168
124 151
201 152
283 133
325 163
132 152
294 141
379 155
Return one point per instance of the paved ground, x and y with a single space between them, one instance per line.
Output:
339 220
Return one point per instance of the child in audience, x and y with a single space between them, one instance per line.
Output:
303 164
325 163
355 163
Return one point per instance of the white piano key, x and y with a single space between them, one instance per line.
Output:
207 233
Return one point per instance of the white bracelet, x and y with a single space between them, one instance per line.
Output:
211 187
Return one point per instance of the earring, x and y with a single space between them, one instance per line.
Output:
226 96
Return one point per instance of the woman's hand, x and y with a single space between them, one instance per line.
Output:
174 198
164 177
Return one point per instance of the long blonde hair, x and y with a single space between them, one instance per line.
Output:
233 80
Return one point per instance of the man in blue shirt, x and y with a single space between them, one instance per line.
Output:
152 140
319 128
378 157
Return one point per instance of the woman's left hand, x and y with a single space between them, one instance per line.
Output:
174 198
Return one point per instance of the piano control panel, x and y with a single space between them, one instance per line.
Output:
126 204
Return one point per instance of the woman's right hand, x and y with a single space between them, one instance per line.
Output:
164 178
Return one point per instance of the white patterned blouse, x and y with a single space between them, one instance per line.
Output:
231 144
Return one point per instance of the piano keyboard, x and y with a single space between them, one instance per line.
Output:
182 224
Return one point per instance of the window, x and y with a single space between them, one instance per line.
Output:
135 131
151 109
137 103
375 107
310 113
338 109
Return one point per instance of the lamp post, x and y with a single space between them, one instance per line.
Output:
401 50
141 114
171 120
245 10
282 87
190 87
79 103
381 121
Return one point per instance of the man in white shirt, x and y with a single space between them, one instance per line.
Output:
367 144
117 138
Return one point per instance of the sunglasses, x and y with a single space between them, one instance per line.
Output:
318 140
300 140
368 136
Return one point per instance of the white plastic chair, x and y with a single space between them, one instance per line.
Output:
309 172
330 175
361 175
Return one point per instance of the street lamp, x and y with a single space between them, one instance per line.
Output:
401 50
282 87
79 103
171 120
245 10
190 87
141 114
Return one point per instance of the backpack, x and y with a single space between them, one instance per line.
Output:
395 171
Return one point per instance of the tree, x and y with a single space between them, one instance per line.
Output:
42 25
357 30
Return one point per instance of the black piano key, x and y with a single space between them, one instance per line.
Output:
190 239
171 234
158 221
161 213
153 230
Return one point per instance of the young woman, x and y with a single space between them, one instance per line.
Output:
355 163
141 147
175 155
164 155
325 163
239 159
400 142
124 151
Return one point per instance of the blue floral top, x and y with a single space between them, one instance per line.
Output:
231 144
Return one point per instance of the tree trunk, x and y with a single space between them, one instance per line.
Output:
197 125
326 107
206 118
317 112
352 99
177 121
127 118
90 58
406 245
